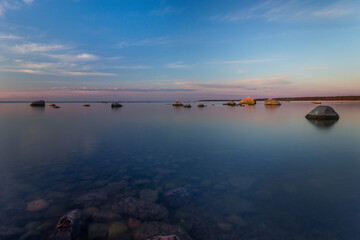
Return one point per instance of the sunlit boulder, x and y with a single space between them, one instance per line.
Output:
271 101
248 101
177 103
200 105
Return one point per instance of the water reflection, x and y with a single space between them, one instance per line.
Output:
253 172
323 124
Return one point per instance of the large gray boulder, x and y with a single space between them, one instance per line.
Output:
322 113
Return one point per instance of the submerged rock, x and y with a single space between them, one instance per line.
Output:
97 231
141 209
86 105
91 199
150 229
68 227
248 101
116 229
200 105
322 113
149 195
271 101
10 232
178 197
133 223
37 205
169 237
187 106
40 103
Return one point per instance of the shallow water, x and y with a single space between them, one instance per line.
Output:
255 172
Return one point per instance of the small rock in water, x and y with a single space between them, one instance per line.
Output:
248 101
271 101
178 197
91 199
141 209
68 226
169 237
225 226
37 205
242 183
150 229
237 220
149 195
116 229
10 232
40 103
133 223
97 231
322 113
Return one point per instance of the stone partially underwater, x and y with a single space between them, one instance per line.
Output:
322 113
68 226
40 103
247 101
272 102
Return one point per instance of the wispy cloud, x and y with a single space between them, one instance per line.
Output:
87 74
35 47
294 10
9 36
134 89
74 58
241 61
132 67
166 11
177 65
159 41
6 5
57 72
246 84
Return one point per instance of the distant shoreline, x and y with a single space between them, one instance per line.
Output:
332 98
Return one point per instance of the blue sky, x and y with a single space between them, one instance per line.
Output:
164 50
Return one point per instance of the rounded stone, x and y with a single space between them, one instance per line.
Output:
37 205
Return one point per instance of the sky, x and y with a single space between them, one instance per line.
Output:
184 49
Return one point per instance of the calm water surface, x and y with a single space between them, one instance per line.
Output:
253 172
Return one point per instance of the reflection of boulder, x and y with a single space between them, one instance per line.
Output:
272 102
248 101
322 113
323 123
40 103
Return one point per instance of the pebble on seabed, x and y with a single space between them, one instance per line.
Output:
37 205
